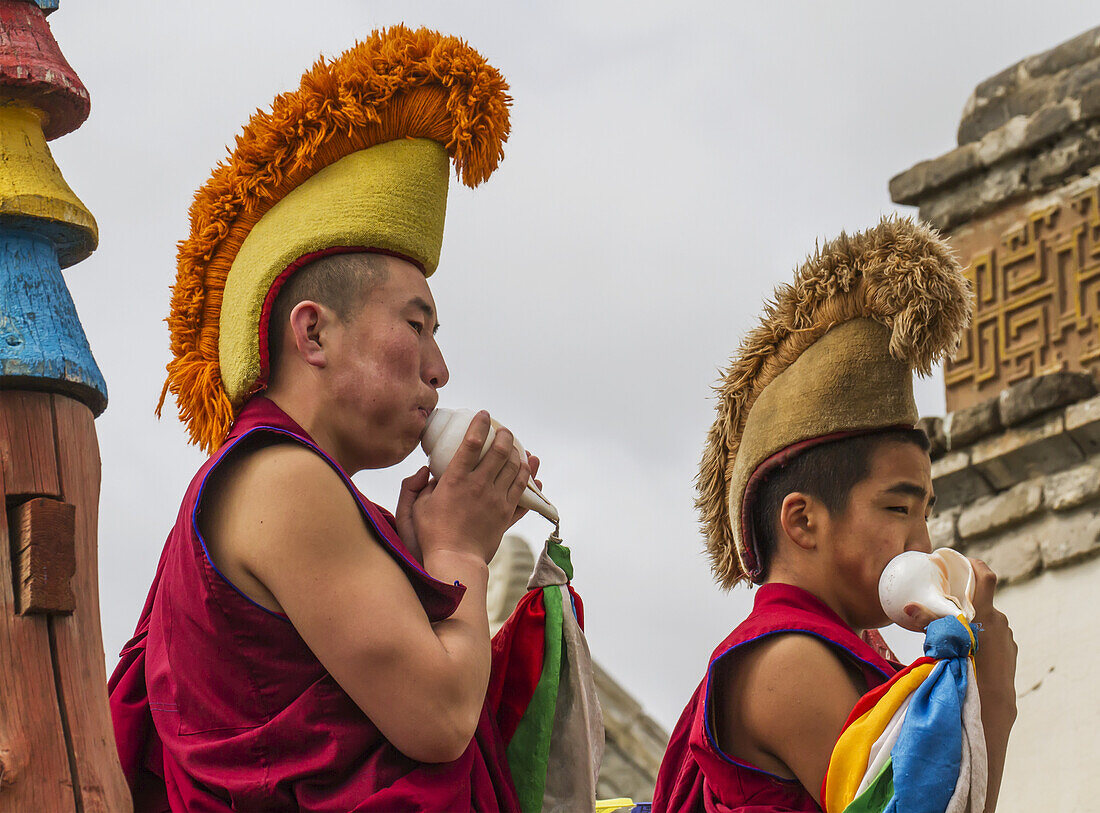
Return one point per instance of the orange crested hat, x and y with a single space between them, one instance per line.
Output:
356 159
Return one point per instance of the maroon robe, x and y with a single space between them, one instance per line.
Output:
696 775
218 704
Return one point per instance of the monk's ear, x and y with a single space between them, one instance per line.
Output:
309 323
800 519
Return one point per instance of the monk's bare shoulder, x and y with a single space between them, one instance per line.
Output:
782 703
261 504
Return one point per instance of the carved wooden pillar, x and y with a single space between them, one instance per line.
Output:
57 749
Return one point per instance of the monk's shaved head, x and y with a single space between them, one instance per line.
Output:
341 282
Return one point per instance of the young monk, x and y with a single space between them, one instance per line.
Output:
813 479
301 648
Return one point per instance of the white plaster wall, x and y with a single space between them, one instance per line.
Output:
1054 751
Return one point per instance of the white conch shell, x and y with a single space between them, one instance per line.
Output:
443 435
942 583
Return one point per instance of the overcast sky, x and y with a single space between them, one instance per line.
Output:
669 164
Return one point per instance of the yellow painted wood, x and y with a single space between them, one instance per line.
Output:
32 187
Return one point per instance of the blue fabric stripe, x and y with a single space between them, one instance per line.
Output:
927 757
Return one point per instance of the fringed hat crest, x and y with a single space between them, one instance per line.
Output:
903 290
398 85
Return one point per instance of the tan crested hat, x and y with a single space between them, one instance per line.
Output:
832 357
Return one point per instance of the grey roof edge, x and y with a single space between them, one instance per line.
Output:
1018 136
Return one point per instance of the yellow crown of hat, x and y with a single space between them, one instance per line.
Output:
355 159
833 356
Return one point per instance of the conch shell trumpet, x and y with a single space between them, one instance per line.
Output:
942 583
444 433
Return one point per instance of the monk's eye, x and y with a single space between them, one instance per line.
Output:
900 509
417 326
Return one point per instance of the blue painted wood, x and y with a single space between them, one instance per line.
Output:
42 344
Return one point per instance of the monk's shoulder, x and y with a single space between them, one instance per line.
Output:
273 477
791 683
788 665
277 491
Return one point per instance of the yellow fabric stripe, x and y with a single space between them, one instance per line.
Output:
611 805
850 756
973 642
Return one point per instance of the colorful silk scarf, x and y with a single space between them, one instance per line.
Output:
916 743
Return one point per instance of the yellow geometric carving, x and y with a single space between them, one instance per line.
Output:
1037 301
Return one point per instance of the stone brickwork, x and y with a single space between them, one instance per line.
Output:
1023 132
1019 485
1019 200
633 747
1016 462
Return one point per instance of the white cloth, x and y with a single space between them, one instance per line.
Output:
576 743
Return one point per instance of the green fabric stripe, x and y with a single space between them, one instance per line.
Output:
529 750
559 555
878 793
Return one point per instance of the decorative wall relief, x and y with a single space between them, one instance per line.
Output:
1036 278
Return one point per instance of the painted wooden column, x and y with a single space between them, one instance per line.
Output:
57 748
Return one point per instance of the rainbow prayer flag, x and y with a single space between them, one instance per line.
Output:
916 743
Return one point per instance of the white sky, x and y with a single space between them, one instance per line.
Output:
669 164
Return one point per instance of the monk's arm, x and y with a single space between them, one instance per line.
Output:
785 707
300 535
995 664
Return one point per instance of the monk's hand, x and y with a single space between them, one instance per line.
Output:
411 489
473 503
995 664
995 660
920 617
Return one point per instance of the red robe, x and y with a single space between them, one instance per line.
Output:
219 705
696 775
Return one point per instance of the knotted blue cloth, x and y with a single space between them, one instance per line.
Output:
927 756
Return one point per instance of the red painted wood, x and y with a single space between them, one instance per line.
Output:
33 69
77 638
34 763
